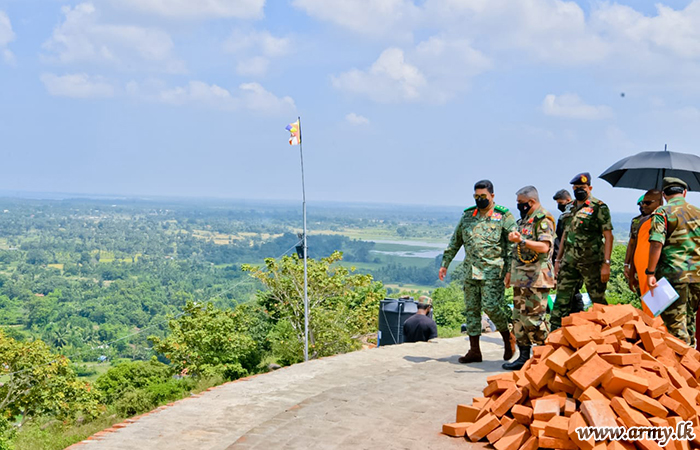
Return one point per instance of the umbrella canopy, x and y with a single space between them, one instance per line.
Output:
647 170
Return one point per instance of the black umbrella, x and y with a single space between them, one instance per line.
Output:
647 170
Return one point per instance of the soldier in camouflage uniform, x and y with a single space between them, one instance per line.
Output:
483 231
674 253
531 273
583 255
566 206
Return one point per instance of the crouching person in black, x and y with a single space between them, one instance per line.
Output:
420 327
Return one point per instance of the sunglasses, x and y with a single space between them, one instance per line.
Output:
482 196
646 202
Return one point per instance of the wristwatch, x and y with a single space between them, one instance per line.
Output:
607 261
650 272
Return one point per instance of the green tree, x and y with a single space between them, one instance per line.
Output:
342 305
38 382
448 306
209 341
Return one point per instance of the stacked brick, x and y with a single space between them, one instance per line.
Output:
610 366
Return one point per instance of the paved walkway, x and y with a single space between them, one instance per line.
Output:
394 397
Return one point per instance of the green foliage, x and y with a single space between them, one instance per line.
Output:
131 375
209 341
32 387
618 290
342 305
448 306
7 433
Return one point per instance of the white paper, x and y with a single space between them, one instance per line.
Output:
664 296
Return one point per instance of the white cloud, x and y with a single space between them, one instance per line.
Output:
7 35
255 51
356 119
571 106
392 18
249 96
432 72
690 113
389 79
83 38
77 85
197 9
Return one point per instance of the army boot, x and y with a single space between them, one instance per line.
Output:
522 359
474 353
508 344
577 303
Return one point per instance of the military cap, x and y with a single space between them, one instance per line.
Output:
561 194
425 300
582 178
641 199
674 182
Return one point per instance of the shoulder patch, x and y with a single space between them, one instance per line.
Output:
501 209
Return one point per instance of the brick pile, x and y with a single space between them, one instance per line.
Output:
609 366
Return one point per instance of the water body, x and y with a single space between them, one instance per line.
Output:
427 250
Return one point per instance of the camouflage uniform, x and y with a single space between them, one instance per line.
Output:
634 226
677 226
583 256
486 247
532 276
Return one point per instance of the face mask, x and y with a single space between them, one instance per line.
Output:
483 203
561 207
581 194
524 208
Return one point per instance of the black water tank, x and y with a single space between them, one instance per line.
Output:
392 314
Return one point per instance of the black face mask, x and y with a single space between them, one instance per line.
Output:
580 194
524 208
561 207
483 203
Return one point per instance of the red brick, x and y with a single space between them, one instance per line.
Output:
557 339
618 315
686 397
630 416
630 331
540 351
558 427
506 401
598 413
618 445
537 427
482 427
605 348
557 360
539 374
508 376
513 439
545 409
485 409
576 421
498 386
676 378
569 407
644 444
531 444
623 359
574 320
551 442
479 402
466 413
625 347
590 373
614 331
644 403
593 394
455 429
522 414
658 422
676 407
581 356
495 435
657 385
561 384
578 336
692 364
616 380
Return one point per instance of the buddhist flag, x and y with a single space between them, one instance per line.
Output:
295 138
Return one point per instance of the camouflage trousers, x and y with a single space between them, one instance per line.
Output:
679 318
529 307
571 274
489 296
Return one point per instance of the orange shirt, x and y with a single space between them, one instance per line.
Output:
641 258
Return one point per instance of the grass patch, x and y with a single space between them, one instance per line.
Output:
57 435
445 332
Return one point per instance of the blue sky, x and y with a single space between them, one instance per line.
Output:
401 101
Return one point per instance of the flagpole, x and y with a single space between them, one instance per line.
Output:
305 248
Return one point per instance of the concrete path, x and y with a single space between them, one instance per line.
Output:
394 397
